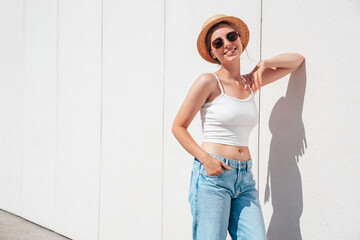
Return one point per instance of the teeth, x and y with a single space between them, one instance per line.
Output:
231 51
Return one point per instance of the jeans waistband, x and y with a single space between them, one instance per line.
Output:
233 163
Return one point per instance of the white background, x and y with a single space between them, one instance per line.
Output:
89 90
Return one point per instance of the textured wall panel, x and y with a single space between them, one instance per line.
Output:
309 141
79 115
40 107
11 104
132 139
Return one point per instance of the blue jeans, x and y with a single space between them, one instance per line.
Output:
225 202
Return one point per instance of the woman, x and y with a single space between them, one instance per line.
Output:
222 192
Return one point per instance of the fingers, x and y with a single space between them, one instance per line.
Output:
213 171
253 86
252 81
257 80
248 80
225 165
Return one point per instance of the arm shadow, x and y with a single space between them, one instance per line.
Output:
287 145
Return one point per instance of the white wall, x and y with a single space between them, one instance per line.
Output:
50 108
309 135
11 104
89 90
78 118
132 120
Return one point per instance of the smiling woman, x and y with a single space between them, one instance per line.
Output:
218 43
222 192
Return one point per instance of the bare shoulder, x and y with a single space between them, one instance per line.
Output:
206 81
195 98
206 78
202 88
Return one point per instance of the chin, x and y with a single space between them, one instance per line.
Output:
232 59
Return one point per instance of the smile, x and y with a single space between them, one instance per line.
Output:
230 52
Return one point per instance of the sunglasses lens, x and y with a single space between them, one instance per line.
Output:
217 43
232 36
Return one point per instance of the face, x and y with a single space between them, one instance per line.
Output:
229 51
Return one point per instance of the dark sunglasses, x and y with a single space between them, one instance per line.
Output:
231 36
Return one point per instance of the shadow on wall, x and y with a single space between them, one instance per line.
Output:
288 143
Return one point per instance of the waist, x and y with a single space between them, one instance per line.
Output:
237 164
238 153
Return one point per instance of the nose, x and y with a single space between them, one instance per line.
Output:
227 43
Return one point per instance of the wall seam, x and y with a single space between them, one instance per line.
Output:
163 121
101 112
23 103
57 112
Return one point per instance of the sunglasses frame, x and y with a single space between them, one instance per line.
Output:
214 45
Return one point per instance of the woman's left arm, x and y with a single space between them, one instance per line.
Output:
272 69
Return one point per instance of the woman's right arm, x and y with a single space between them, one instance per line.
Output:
194 100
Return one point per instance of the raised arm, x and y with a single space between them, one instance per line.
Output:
272 69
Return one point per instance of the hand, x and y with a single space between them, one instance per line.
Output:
254 79
213 166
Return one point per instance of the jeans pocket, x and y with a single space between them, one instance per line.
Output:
203 172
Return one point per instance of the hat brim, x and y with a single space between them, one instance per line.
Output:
240 26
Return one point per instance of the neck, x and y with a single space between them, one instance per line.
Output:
230 71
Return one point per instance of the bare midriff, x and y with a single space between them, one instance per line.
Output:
240 153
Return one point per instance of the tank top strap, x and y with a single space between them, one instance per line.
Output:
243 78
247 84
221 88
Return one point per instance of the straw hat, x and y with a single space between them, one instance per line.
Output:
240 27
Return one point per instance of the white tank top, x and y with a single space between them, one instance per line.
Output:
229 120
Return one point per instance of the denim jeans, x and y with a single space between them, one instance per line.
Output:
228 201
